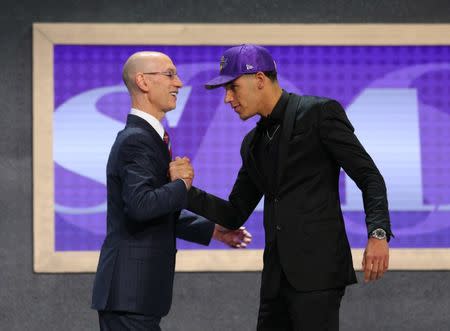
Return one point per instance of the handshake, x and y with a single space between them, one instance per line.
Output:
181 168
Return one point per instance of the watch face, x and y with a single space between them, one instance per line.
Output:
379 234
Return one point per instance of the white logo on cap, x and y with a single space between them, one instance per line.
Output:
249 66
223 63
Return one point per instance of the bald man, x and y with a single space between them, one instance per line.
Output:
134 279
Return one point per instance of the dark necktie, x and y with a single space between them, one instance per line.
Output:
166 139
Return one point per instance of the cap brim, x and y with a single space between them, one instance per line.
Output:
219 81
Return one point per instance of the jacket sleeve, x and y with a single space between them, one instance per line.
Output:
337 134
231 214
143 196
194 228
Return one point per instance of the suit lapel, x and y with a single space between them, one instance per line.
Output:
133 120
286 131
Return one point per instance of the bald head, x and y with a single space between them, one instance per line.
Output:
141 62
152 81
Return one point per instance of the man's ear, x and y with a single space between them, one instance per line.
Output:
260 79
140 82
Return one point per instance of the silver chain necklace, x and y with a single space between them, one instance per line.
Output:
273 134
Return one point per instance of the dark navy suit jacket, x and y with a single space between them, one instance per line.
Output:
137 260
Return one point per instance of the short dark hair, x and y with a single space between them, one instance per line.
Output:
272 75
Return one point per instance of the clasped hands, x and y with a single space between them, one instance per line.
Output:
181 168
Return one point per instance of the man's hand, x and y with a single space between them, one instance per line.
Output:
376 259
233 238
181 168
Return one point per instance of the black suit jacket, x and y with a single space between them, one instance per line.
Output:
137 260
302 215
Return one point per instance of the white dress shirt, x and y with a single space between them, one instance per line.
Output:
150 119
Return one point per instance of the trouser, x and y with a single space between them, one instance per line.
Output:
283 308
121 321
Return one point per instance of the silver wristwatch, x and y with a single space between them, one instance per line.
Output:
378 234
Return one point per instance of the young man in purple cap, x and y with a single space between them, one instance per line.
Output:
293 158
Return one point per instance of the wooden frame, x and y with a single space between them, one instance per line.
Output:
45 35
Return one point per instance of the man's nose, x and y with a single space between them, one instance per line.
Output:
228 96
178 82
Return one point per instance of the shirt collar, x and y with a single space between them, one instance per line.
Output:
276 116
278 111
150 119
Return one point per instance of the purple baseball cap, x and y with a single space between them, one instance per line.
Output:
240 60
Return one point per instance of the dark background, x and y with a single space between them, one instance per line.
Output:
202 301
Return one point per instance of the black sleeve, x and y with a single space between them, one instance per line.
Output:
231 214
337 135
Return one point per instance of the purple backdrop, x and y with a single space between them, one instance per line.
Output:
91 106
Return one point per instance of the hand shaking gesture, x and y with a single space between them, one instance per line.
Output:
181 168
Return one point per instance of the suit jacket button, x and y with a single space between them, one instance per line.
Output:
278 227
